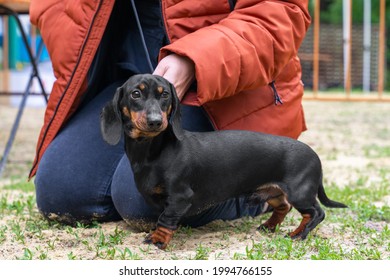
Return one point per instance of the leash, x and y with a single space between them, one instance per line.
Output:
276 95
145 47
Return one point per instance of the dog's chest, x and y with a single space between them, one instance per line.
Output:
151 188
157 190
147 181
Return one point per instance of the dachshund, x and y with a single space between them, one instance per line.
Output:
183 173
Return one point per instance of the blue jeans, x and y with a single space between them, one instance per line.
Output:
82 178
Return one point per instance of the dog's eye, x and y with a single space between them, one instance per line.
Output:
165 94
135 94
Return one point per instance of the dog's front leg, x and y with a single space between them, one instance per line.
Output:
177 205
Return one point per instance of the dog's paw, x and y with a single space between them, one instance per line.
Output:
160 237
148 240
297 236
266 228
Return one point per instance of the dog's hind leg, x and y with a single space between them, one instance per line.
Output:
310 219
277 199
306 218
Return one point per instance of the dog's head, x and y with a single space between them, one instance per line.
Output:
144 106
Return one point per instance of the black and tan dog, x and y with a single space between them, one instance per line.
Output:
183 173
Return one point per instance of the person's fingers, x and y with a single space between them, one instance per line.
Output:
178 70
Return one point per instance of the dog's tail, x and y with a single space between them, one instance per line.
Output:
326 201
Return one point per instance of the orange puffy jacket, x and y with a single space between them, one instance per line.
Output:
237 53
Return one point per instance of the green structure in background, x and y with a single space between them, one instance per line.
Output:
18 56
13 37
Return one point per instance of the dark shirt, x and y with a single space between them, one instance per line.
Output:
132 55
121 53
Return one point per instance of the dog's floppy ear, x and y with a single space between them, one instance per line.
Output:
175 117
111 119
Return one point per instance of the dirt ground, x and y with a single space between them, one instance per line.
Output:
343 134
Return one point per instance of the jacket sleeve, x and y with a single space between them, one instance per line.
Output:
245 50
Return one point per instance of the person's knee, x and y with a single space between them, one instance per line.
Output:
132 207
70 199
51 200
128 201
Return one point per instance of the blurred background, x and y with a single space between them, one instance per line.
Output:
347 46
346 49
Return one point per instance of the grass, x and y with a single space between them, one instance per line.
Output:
359 233
375 151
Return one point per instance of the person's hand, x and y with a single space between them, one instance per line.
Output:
178 70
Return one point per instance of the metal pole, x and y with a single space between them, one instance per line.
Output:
347 26
382 34
367 46
5 73
34 74
19 114
316 46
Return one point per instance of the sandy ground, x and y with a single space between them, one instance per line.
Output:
344 135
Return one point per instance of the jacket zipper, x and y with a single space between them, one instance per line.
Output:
66 88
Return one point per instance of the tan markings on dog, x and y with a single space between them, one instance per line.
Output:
136 133
164 120
160 89
135 116
161 237
305 220
158 190
141 86
149 134
126 112
140 129
136 119
169 109
277 199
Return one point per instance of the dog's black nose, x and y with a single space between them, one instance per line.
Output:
154 122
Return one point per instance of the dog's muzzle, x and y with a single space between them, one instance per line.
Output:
154 121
